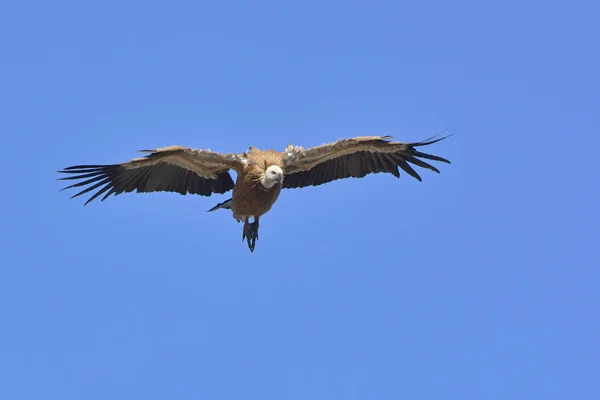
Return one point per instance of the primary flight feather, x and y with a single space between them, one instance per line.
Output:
261 174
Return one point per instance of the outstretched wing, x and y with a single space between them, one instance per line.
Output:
356 158
168 169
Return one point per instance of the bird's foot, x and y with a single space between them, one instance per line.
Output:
250 234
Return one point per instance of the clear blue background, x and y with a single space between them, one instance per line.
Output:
479 283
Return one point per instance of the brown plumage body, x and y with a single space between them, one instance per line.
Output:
261 174
250 198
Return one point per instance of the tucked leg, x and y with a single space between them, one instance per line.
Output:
250 233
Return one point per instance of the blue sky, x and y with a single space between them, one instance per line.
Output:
478 283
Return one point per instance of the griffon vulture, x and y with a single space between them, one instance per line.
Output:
261 174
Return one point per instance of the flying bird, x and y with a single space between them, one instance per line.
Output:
261 174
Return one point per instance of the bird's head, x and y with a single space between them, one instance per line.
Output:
272 176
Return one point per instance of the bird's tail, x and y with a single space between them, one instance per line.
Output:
226 204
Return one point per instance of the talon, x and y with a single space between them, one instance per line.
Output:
250 233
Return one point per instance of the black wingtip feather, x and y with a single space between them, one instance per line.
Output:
430 157
422 164
431 139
